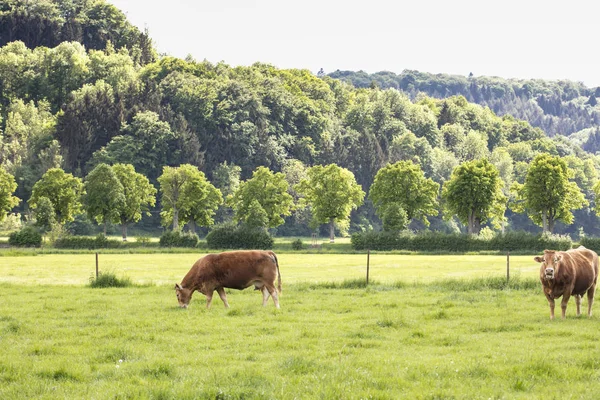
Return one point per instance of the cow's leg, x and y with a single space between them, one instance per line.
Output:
578 303
223 297
273 292
551 304
209 299
564 303
590 296
265 293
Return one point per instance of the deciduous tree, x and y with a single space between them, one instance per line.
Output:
139 193
266 189
104 195
64 192
474 195
333 193
404 184
547 195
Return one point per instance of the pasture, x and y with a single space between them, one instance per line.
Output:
430 327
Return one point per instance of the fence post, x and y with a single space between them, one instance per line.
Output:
368 257
96 266
507 266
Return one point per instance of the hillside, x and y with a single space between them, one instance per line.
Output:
557 107
75 104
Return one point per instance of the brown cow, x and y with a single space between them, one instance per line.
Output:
566 273
234 270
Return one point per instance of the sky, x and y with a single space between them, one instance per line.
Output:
511 39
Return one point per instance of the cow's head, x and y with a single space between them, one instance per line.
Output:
183 295
550 263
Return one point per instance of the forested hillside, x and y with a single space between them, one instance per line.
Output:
558 107
80 86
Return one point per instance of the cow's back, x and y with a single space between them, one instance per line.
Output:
584 266
237 269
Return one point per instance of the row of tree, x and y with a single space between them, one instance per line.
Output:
400 193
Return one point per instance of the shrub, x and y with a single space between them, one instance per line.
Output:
109 279
26 237
178 239
143 240
229 236
297 244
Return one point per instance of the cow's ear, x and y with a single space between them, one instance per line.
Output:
177 286
538 259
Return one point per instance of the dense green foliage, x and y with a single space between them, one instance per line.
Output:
474 194
178 239
28 236
80 86
230 236
459 243
558 107
7 189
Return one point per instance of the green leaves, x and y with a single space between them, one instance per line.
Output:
262 200
105 197
64 192
186 194
332 193
547 194
405 184
474 195
7 188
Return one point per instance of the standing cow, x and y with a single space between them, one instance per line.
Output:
566 273
233 270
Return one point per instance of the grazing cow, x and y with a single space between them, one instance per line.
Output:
566 273
233 270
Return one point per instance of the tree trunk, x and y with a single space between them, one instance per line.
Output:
470 223
104 227
192 226
124 231
175 219
544 221
551 225
331 231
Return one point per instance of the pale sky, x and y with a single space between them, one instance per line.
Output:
510 38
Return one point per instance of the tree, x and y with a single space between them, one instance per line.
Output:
333 193
266 190
44 215
187 194
404 184
547 195
64 192
474 195
7 188
147 143
104 196
139 193
200 200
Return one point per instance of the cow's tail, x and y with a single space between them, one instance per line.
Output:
278 274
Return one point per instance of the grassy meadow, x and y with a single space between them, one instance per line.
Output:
428 327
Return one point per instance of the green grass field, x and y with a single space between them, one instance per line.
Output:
430 327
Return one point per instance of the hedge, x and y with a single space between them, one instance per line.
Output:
84 242
459 243
238 237
178 239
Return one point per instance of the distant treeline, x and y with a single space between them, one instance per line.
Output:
558 107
